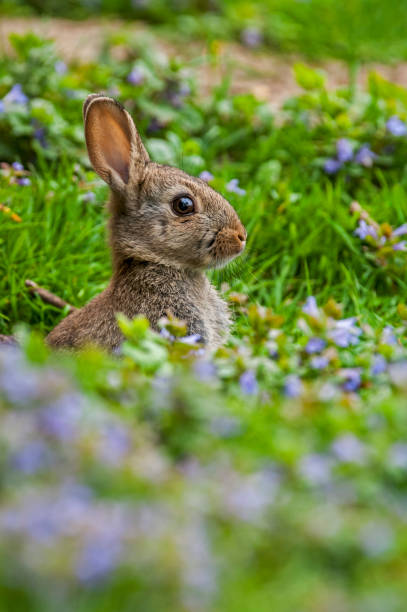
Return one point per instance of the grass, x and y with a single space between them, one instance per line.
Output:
271 475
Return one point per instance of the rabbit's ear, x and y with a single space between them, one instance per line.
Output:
115 149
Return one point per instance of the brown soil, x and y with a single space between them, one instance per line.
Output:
266 75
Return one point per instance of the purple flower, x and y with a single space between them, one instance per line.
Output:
2 107
344 151
39 135
400 231
315 345
365 156
135 77
396 126
24 181
61 418
388 336
60 67
98 558
251 37
352 379
292 386
17 166
345 333
365 230
206 176
114 444
89 196
248 383
379 365
315 468
205 371
32 457
319 362
332 166
349 449
399 246
233 187
310 307
18 383
16 95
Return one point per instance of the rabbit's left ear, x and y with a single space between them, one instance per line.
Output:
114 146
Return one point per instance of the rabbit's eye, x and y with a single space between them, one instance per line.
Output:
183 205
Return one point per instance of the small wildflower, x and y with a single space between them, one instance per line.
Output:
399 246
379 365
315 468
310 307
396 126
251 37
135 77
344 151
292 386
2 107
98 559
205 371
315 345
206 176
24 181
32 457
349 449
15 95
352 379
400 231
319 362
60 67
388 336
233 187
332 166
365 230
345 332
17 166
39 135
248 382
365 156
89 196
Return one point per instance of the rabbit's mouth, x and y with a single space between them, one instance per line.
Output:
225 245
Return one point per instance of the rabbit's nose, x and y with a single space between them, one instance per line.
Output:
241 235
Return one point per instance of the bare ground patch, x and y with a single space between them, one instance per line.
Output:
268 76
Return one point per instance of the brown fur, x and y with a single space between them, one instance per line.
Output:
159 257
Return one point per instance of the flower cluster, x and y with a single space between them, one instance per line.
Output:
384 243
345 153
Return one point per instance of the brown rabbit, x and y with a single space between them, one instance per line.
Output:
166 227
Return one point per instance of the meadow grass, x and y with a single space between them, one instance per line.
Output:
270 475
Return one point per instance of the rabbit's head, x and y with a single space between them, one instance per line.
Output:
160 214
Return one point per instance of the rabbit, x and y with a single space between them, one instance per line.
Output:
165 227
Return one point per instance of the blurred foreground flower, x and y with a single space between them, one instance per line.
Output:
396 126
233 187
